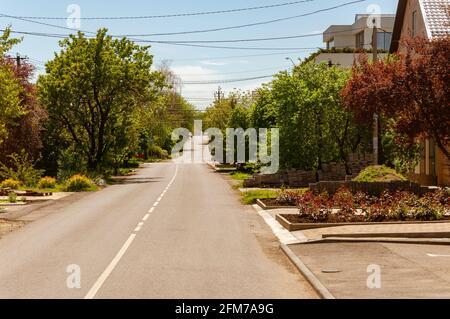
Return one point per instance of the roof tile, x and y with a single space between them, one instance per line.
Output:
437 17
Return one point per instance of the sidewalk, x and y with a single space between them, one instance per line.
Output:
406 270
338 261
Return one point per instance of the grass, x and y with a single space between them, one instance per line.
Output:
239 176
125 171
382 173
58 189
249 197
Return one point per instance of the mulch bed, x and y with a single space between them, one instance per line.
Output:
335 218
272 202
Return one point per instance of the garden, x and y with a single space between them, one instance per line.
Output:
346 207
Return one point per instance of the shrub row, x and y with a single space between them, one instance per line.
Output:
76 183
344 206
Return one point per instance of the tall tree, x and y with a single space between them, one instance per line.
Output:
412 89
24 133
314 126
10 89
92 90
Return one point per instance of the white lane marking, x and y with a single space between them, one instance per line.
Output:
109 269
155 204
160 199
433 255
101 280
139 226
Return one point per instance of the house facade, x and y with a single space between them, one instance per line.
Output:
429 19
340 39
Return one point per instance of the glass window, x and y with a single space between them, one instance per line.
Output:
331 44
360 40
384 40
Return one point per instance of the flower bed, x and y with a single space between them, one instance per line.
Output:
346 207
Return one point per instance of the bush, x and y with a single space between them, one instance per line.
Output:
47 183
346 207
12 197
131 163
79 183
21 169
289 198
156 151
10 183
382 173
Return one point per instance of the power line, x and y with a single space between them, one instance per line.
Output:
174 15
240 56
268 38
226 81
63 36
239 72
199 31
249 24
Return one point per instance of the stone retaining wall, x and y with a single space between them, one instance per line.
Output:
299 178
373 189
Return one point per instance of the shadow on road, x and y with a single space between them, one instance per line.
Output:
134 180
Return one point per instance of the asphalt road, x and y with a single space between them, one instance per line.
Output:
194 241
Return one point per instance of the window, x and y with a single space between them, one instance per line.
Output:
414 24
330 44
384 40
360 40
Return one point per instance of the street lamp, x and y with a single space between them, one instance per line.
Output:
289 59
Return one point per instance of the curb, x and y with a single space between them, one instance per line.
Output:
323 292
261 204
412 241
283 235
402 235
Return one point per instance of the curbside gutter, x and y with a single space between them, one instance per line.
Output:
323 292
286 238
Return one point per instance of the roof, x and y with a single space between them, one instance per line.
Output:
436 14
356 27
437 19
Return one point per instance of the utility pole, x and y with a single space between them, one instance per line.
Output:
19 60
376 120
219 95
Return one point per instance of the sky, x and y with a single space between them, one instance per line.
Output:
193 63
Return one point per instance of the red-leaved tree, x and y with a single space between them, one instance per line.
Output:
412 88
25 132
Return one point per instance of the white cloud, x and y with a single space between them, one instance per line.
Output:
218 63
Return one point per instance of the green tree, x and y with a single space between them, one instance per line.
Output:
263 112
10 89
315 128
92 91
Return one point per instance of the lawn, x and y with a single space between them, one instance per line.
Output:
58 188
249 197
239 176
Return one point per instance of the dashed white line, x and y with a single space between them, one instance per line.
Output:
104 276
101 280
139 226
434 255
